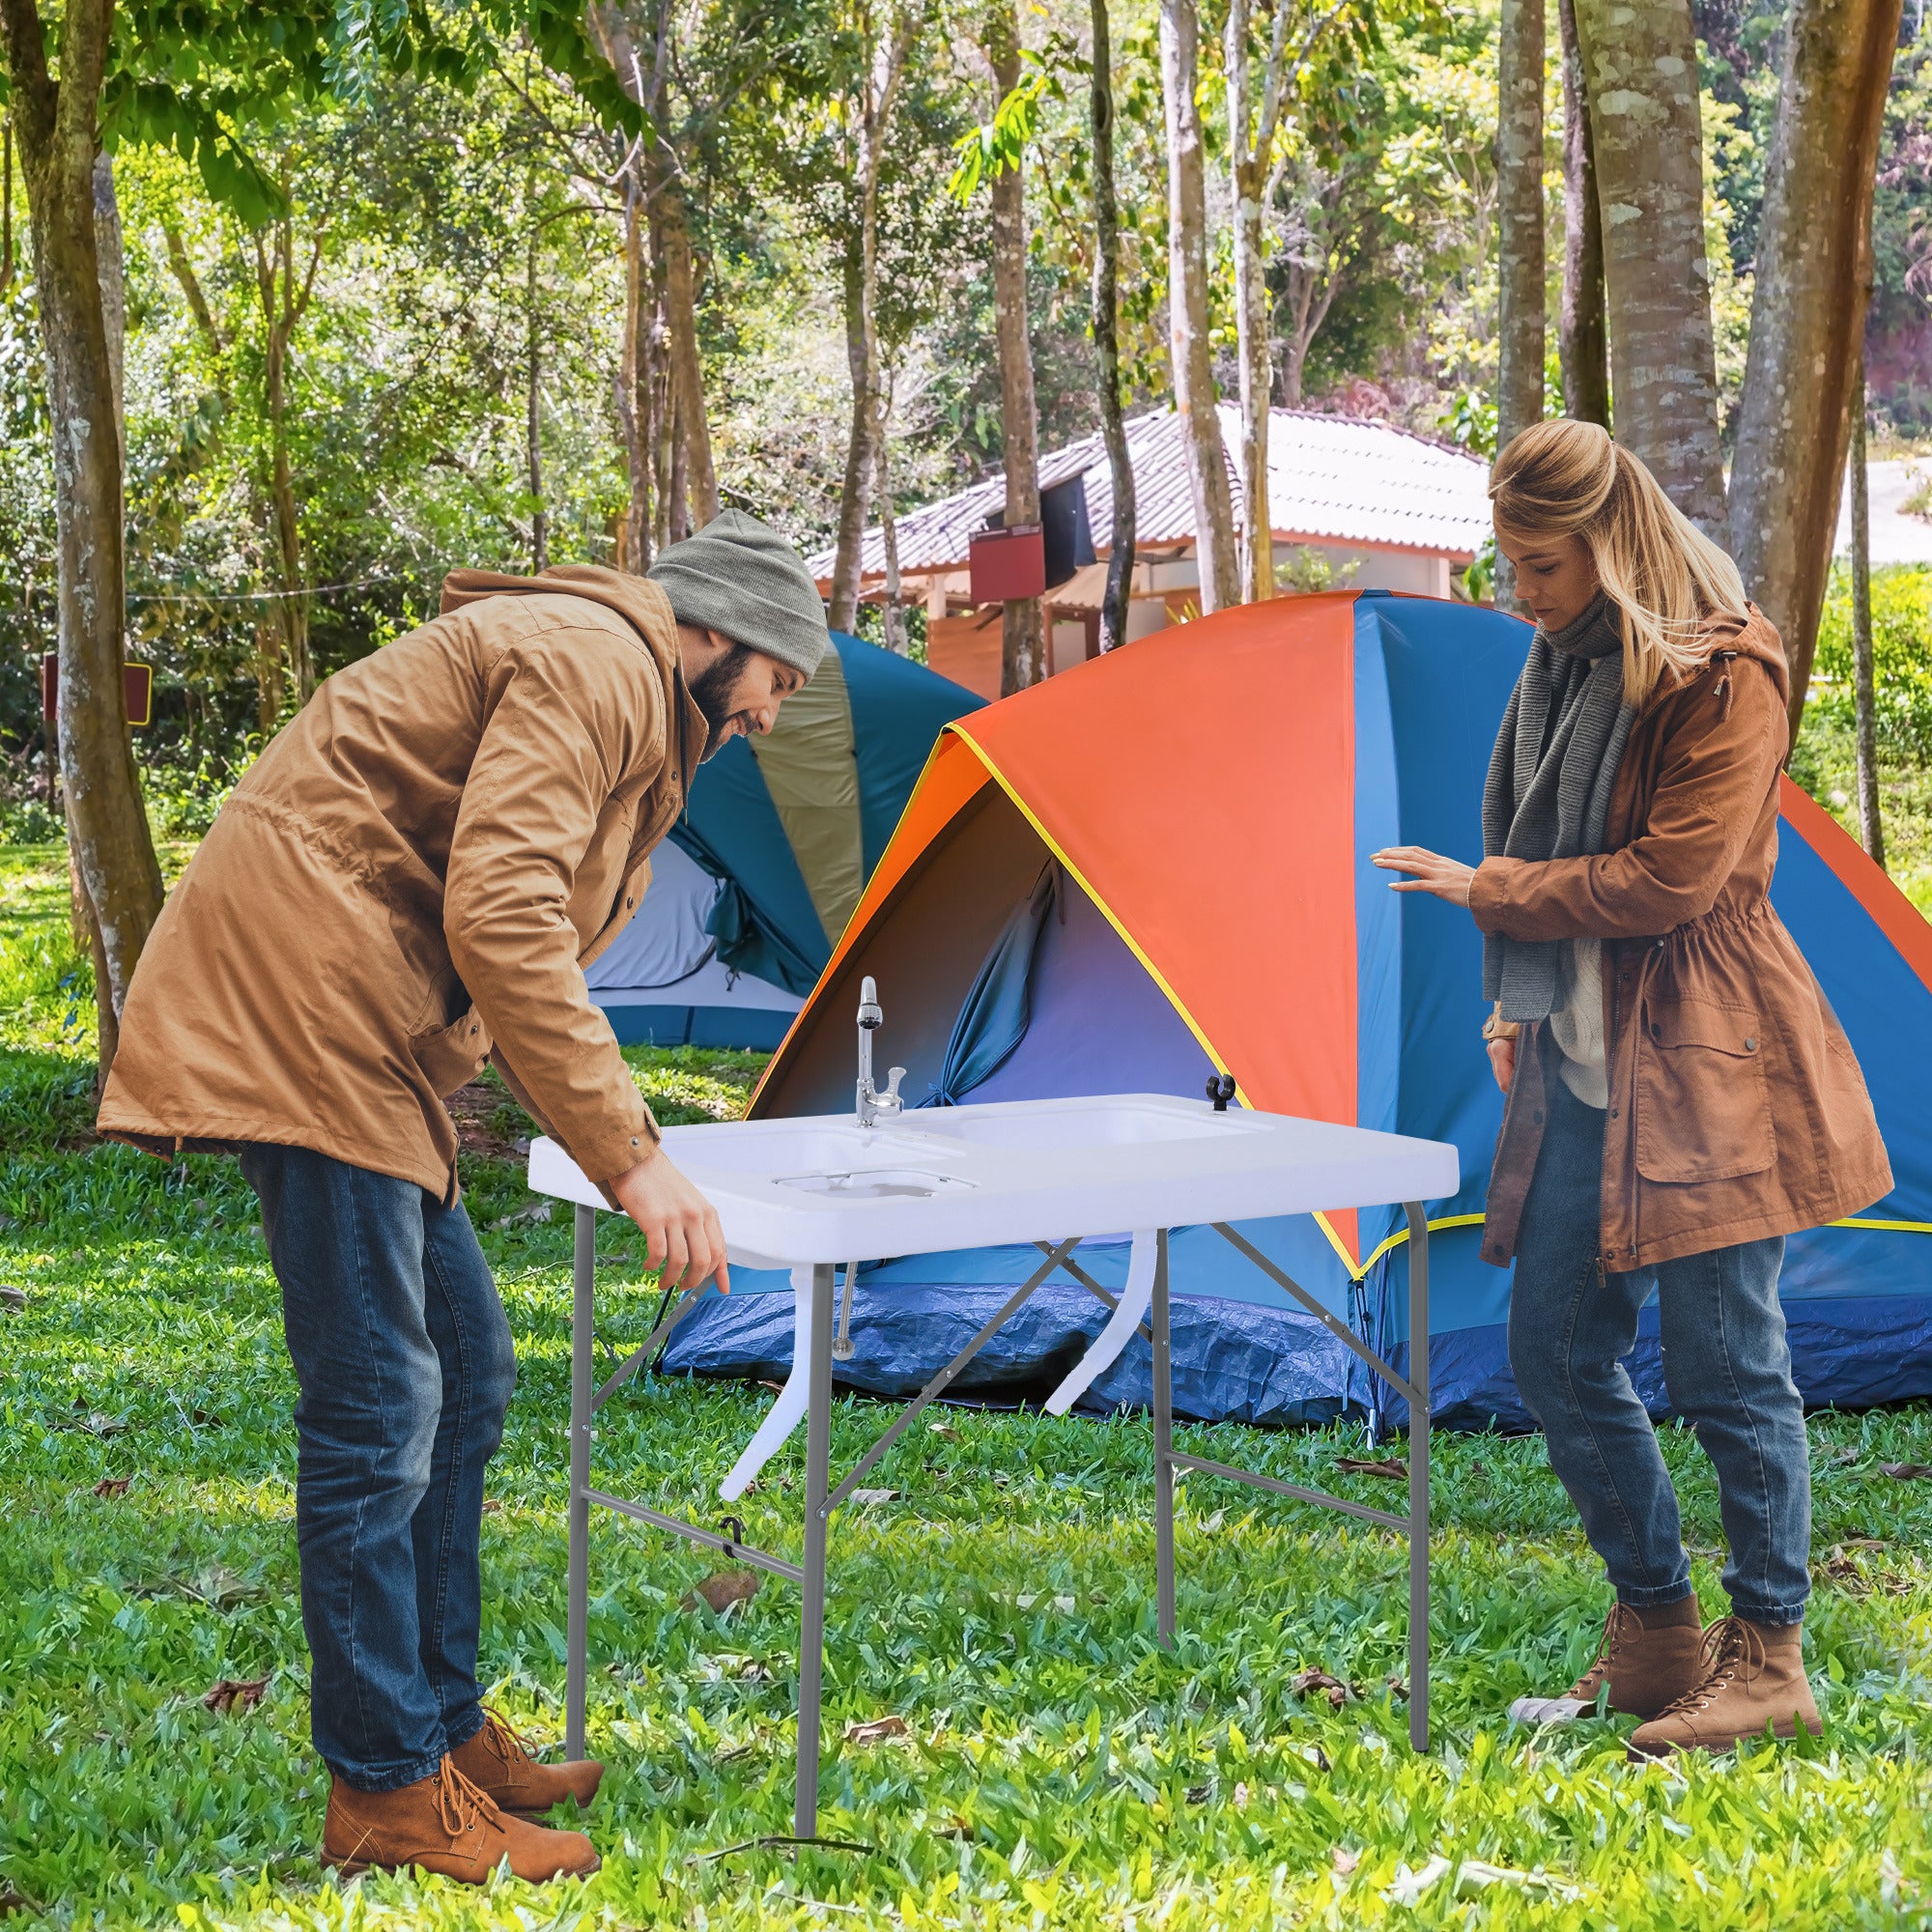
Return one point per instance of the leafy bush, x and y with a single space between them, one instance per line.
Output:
182 804
1901 658
29 821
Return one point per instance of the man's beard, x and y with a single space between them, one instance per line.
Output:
711 691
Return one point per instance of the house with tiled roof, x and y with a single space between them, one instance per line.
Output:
1350 504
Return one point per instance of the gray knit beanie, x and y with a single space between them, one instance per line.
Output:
740 577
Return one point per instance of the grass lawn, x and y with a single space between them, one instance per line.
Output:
1057 1769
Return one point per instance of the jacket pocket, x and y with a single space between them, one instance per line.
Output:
1703 1101
452 1056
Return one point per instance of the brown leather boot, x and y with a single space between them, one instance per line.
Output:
1753 1675
443 1824
1648 1668
502 1765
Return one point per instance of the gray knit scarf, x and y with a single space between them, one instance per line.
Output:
1548 789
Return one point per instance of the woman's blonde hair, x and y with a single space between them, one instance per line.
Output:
1563 478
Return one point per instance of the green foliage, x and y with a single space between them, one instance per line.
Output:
1901 658
999 146
1058 1768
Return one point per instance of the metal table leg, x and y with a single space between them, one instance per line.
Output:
1164 1447
583 1306
812 1622
1418 1477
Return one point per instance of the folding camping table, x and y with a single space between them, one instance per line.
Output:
1048 1173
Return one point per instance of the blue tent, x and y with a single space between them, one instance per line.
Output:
761 874
1153 868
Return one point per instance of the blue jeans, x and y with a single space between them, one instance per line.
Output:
1725 1365
403 1358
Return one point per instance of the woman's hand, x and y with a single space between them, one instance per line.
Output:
1447 878
1502 1062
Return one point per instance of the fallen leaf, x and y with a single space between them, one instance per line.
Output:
97 1423
11 1901
1398 1686
1907 1472
863 1496
722 1591
232 1694
1199 1794
876 1730
1356 1465
1332 1688
1844 1458
945 1431
1342 1861
958 1828
217 1587
12 1298
1208 1525
491 1506
112 1485
204 1419
537 1210
777 1388
1314 1755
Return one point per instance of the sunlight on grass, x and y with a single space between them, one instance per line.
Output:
1057 1769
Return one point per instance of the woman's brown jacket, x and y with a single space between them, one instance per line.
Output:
1737 1109
412 879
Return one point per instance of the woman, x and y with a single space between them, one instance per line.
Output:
1681 1097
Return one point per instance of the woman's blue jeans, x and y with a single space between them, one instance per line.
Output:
1725 1364
404 1361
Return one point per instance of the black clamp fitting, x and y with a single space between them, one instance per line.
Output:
1220 1090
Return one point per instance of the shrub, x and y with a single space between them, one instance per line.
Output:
1901 658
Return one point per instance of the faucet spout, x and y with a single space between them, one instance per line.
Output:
872 1103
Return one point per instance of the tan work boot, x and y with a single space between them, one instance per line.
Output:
443 1824
502 1766
1754 1676
1647 1665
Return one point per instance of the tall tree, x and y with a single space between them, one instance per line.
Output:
1814 276
1520 321
1582 343
641 40
867 117
1189 346
1106 323
1640 69
1022 645
1864 704
57 121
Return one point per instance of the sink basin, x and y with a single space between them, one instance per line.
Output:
875 1183
1129 1121
824 1147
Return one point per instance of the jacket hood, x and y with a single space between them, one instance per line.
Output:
635 598
1757 639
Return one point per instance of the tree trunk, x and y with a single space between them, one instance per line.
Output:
889 539
1251 151
282 306
1107 339
1194 398
686 367
861 459
1640 69
111 252
631 383
1582 345
1022 641
1872 819
534 411
1521 322
113 849
1808 313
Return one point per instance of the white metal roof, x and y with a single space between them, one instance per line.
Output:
1331 479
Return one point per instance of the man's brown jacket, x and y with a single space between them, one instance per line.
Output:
412 879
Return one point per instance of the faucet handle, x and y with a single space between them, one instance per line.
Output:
891 1096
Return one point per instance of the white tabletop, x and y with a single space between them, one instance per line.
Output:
825 1189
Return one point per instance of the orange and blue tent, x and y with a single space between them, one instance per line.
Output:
1154 868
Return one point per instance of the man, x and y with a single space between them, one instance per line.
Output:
411 881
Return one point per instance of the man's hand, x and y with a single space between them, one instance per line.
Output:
1447 878
1502 1062
680 1227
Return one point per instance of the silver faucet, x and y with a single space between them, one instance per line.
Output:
871 1102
